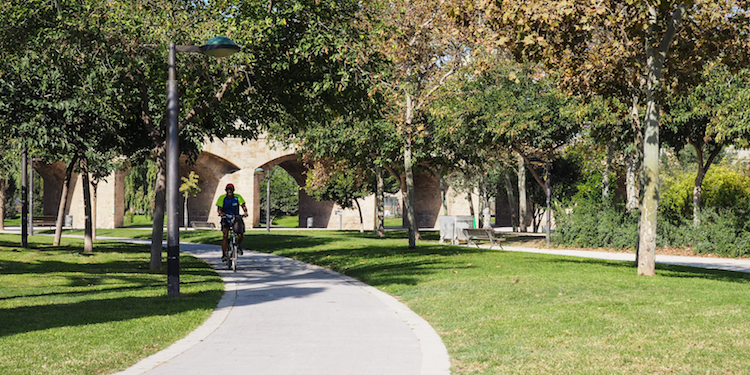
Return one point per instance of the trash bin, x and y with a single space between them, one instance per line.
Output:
309 221
68 220
451 228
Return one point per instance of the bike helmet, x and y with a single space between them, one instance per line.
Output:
229 186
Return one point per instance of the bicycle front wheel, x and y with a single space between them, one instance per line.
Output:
233 257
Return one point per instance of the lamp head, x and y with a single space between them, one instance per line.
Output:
219 46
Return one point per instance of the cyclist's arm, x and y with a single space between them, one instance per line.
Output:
220 206
244 208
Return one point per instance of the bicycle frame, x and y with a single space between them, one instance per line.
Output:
232 253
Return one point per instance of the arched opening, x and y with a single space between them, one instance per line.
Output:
310 213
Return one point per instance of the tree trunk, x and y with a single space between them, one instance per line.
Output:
633 159
160 200
511 200
605 175
523 210
64 200
411 215
631 184
24 200
361 218
654 64
3 186
379 202
95 186
548 191
88 243
484 197
185 212
469 199
443 193
699 177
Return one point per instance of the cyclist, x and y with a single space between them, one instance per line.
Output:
229 204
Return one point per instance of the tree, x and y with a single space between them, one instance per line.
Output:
425 44
289 71
284 195
355 146
628 41
65 101
692 119
520 109
339 183
189 188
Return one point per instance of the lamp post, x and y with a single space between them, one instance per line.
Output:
268 203
217 47
261 171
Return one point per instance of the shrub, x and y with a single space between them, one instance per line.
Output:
592 224
723 188
721 232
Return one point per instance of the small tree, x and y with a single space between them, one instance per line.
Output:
189 188
284 195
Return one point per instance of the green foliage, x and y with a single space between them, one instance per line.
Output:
590 223
723 188
284 194
337 186
724 222
722 232
139 188
189 186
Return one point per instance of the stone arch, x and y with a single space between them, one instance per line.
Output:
309 208
210 168
54 177
235 160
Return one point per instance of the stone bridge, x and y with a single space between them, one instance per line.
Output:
232 161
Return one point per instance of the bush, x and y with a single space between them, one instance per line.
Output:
590 224
723 188
721 232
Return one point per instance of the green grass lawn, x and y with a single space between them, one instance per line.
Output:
67 313
497 312
517 313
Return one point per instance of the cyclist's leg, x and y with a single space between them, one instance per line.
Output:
224 242
240 234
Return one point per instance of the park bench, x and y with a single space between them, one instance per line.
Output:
475 235
44 220
202 225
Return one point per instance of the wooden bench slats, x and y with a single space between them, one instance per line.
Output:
44 220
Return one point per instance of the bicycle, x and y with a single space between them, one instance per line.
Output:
232 246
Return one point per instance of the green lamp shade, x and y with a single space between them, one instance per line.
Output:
219 46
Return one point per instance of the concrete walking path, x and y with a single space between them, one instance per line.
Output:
280 316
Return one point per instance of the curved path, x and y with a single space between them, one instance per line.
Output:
280 316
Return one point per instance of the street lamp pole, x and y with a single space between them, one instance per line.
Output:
217 47
173 171
268 203
24 200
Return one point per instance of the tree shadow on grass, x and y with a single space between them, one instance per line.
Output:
385 264
271 243
66 263
664 270
34 318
